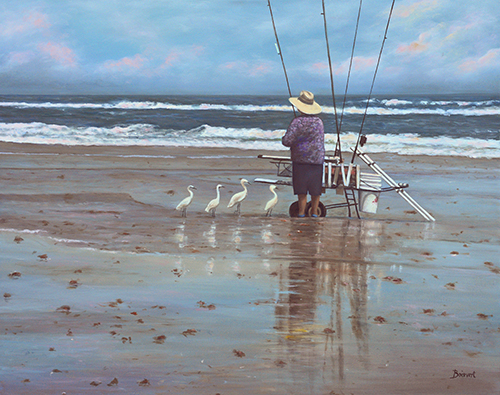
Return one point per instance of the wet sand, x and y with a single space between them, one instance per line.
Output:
106 289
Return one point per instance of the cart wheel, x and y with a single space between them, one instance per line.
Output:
321 209
294 209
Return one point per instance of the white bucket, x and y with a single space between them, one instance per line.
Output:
368 198
368 201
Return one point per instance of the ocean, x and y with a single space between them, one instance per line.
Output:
460 125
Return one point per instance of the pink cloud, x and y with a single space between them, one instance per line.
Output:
127 63
171 59
416 46
259 69
59 53
234 65
28 23
492 57
38 20
18 58
416 8
320 67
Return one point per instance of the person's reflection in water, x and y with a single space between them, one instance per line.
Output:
326 265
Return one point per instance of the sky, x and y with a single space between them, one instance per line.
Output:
170 47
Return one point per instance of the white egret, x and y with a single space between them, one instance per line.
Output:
239 197
271 203
183 205
213 204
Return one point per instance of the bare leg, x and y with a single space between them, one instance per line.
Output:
314 205
302 203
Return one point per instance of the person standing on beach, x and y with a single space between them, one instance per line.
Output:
306 138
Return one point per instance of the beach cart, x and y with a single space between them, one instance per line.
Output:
359 189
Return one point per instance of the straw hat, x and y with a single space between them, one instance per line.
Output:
305 103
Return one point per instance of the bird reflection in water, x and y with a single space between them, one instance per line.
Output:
180 236
211 234
324 286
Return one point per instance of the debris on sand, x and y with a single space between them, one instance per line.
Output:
279 363
450 286
43 257
113 382
492 267
203 305
482 316
73 284
328 331
14 275
239 354
18 239
7 295
159 339
394 280
144 383
428 311
96 383
64 309
379 319
189 332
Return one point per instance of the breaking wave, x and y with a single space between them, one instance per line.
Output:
241 138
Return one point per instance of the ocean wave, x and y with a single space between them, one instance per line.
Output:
381 107
241 138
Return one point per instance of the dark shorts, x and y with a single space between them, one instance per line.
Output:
307 178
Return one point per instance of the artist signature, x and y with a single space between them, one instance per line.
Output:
457 374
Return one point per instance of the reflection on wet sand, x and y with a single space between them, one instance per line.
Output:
325 284
211 234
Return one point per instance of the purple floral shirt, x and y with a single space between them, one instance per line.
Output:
306 138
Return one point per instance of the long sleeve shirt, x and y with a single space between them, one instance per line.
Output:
306 138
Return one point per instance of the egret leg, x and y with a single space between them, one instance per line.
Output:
213 212
184 213
238 208
268 214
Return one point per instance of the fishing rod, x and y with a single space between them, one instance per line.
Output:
338 149
278 49
350 64
373 81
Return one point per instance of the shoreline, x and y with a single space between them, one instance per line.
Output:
7 147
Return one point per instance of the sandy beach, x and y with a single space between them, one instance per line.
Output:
107 289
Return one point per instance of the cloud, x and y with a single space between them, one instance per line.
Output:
38 20
491 58
172 58
13 26
414 47
125 63
59 53
416 9
20 58
182 55
253 69
359 63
